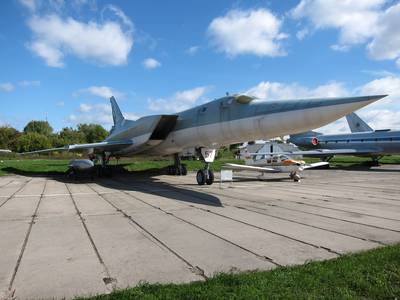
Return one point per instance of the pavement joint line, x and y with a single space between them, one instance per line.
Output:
108 281
12 180
17 191
302 211
312 205
296 222
262 257
363 187
304 191
293 221
195 269
25 242
313 226
310 244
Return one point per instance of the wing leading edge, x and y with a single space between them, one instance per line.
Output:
96 147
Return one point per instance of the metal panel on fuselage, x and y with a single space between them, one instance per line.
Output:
380 141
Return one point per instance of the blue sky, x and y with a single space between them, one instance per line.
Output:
63 59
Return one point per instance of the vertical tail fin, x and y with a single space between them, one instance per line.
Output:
356 124
116 112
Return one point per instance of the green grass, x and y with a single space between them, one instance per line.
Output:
373 274
59 166
43 166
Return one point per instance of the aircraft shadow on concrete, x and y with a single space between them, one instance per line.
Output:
139 181
366 167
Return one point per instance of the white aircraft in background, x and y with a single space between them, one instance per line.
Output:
4 151
280 163
273 162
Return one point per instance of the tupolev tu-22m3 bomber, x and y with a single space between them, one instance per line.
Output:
207 127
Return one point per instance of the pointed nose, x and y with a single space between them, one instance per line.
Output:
295 116
320 112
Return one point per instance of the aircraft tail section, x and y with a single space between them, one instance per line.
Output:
356 124
116 112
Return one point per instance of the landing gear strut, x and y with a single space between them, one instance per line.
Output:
295 176
178 168
104 169
206 175
375 161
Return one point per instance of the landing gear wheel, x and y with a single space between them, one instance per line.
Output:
201 177
183 170
296 177
291 175
210 179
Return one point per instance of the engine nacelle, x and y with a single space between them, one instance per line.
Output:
81 164
314 141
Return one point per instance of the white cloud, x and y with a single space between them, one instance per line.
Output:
28 83
386 42
60 103
340 48
192 50
50 54
302 33
181 100
355 19
386 85
83 107
151 63
6 87
96 113
255 32
99 91
105 43
359 22
278 90
29 4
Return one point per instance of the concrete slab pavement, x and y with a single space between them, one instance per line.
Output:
61 239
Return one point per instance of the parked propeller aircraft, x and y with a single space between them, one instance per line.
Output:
363 141
274 163
224 121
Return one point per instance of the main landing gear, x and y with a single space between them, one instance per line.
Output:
206 176
178 168
104 170
295 176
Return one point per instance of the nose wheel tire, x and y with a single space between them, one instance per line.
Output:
205 177
210 178
201 177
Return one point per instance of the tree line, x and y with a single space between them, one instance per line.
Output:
39 135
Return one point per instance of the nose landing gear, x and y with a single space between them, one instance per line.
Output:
206 175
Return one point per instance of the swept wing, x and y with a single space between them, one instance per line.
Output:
96 147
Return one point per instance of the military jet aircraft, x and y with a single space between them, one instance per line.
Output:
363 141
207 127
